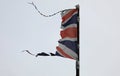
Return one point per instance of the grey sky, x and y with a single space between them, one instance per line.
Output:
21 27
100 38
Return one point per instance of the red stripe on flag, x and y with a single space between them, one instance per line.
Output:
63 53
69 32
69 14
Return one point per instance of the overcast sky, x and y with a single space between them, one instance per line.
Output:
21 27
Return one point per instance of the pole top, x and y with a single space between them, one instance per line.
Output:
77 6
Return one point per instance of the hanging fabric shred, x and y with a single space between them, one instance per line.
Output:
44 14
68 46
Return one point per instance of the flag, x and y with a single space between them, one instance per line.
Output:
68 44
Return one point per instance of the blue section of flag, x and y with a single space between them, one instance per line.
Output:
72 20
71 45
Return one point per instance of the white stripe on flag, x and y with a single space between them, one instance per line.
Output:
67 38
68 51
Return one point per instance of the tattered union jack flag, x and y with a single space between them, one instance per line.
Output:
68 44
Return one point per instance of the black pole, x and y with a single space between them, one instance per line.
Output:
77 61
77 68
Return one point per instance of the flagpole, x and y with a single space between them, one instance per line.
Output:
77 61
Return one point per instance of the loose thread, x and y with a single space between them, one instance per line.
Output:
28 52
44 14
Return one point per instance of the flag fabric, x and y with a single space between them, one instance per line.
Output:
68 46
